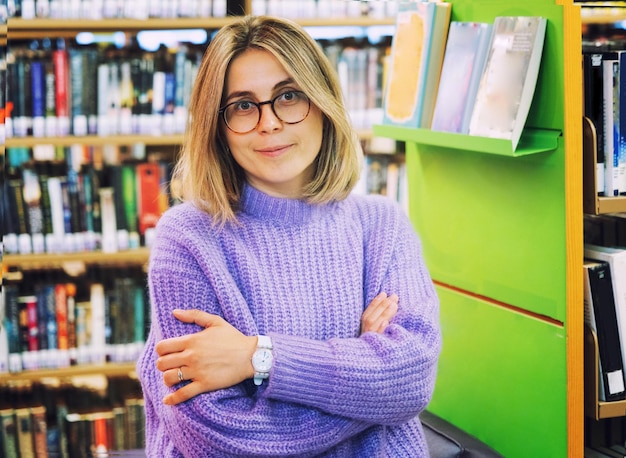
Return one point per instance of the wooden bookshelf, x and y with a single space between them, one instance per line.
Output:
44 28
66 260
95 140
109 370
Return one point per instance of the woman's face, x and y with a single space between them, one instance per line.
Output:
277 157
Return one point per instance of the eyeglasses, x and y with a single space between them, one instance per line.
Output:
243 116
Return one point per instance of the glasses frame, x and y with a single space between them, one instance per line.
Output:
270 102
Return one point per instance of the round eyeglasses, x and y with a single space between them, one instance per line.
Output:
243 116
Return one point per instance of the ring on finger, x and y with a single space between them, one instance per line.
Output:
180 374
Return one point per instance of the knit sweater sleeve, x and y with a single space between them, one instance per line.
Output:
377 378
320 393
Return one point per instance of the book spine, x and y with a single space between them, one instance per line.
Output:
39 427
70 289
55 191
24 431
38 97
8 422
129 204
42 316
60 302
103 99
98 320
622 124
32 200
79 118
611 128
12 325
148 195
108 220
90 92
62 91
51 129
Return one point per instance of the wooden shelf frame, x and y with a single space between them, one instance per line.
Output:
108 370
68 261
44 28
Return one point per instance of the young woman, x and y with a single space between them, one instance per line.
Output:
289 316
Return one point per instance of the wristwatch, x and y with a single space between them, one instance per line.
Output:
262 359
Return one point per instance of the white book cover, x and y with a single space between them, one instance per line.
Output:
508 82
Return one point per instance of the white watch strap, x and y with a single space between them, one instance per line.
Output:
264 342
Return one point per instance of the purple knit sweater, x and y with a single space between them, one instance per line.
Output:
303 275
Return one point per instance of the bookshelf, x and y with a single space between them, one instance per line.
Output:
600 413
76 263
506 254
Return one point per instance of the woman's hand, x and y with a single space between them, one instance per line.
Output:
379 312
217 357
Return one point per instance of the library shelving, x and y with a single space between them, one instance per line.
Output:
502 235
609 15
76 263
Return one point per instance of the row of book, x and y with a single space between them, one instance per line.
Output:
145 9
605 438
361 68
69 421
81 90
81 203
604 76
51 320
59 89
604 277
112 9
385 174
325 8
464 77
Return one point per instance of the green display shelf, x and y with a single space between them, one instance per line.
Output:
533 141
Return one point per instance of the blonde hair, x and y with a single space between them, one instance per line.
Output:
206 173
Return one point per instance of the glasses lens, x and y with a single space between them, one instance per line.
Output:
241 117
291 107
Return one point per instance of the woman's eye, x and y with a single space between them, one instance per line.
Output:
244 106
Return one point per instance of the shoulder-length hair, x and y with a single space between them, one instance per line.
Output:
206 173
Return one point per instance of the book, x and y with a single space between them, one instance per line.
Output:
8 430
610 117
508 82
601 317
437 45
148 195
62 90
408 61
24 429
462 68
593 107
621 169
616 258
39 428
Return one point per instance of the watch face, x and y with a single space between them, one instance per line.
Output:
262 360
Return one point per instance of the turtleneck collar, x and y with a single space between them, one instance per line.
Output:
278 209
